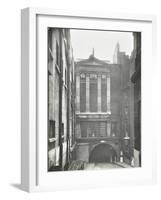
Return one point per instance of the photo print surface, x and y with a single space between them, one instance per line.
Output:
94 99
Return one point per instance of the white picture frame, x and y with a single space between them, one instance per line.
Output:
33 175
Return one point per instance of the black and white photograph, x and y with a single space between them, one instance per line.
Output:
94 99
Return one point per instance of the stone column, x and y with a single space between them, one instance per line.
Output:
99 93
87 92
77 92
108 95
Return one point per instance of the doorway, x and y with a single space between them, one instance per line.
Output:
102 153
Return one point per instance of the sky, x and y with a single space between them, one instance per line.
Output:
103 42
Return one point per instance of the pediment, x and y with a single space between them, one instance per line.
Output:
92 61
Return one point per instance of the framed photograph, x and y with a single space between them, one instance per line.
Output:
86 100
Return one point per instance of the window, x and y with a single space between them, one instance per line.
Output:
52 139
102 128
104 93
93 93
82 93
83 126
50 40
114 129
65 77
108 129
62 130
51 128
50 53
57 54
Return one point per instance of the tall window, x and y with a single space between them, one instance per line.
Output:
50 42
102 129
84 127
62 134
93 93
51 132
104 93
50 50
51 128
65 77
114 129
57 54
82 93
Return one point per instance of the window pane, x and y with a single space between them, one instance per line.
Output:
93 95
82 97
104 95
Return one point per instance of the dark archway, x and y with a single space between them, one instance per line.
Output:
102 153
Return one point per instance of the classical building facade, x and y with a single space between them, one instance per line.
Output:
61 105
98 110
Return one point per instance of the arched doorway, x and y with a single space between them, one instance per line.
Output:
102 153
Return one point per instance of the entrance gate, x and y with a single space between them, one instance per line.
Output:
102 153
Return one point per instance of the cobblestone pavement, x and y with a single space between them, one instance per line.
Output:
99 166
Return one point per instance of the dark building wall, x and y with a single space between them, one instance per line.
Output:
136 81
60 98
126 104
